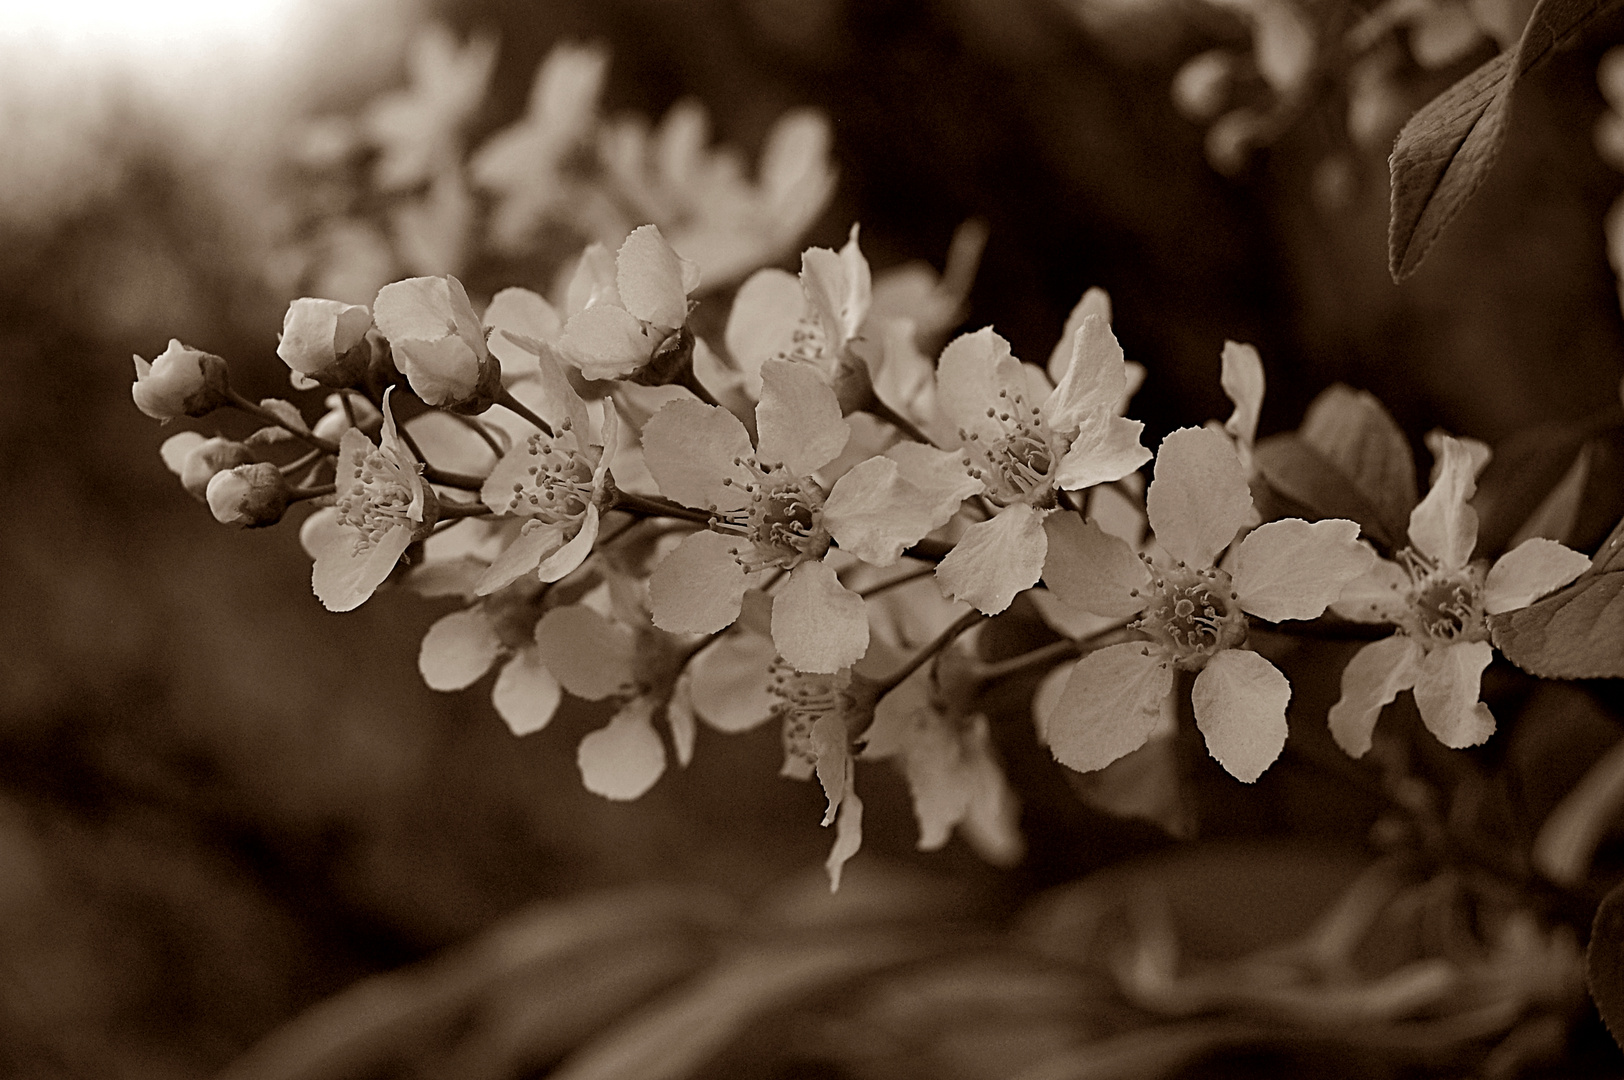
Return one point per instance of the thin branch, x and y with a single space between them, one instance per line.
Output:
900 579
479 429
923 656
454 510
514 405
266 416
647 506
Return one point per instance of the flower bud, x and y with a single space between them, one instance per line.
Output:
248 496
181 382
197 459
325 340
439 343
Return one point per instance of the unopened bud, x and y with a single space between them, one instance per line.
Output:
325 340
180 382
249 496
201 462
438 343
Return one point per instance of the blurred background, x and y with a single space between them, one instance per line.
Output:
220 805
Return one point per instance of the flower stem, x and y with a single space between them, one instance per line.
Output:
928 550
1050 654
300 494
882 411
266 416
514 405
1043 656
687 379
900 579
479 429
439 476
453 510
298 463
942 641
652 506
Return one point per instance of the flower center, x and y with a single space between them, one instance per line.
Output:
376 499
783 520
1019 465
807 344
1445 606
558 479
804 699
1192 615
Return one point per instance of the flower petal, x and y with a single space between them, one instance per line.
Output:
1294 569
1240 706
522 312
848 830
1242 380
1096 301
650 277
1372 679
973 368
690 448
798 419
1069 619
593 282
590 656
1444 524
1529 571
875 512
624 758
1089 569
562 562
1095 378
731 687
839 289
940 472
699 587
439 371
762 322
533 544
605 342
1446 692
346 575
458 649
996 559
1105 448
819 625
1199 498
680 717
177 448
1379 595
526 695
416 309
1110 706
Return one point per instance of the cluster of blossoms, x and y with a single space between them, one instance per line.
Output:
810 524
396 188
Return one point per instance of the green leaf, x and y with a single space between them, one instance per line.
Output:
1526 466
286 413
1449 146
1353 431
1577 633
1306 478
1604 962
